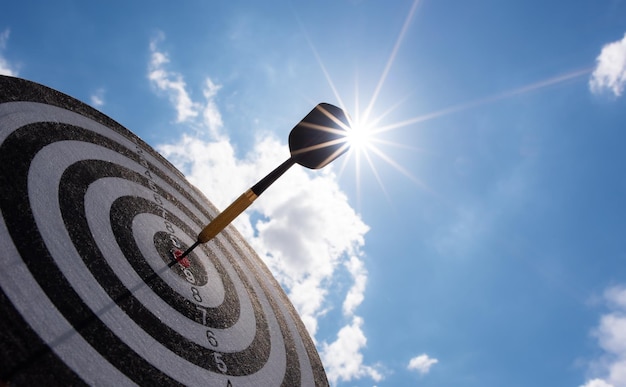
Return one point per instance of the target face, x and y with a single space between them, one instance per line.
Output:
90 291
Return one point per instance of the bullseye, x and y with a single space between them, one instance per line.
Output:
178 257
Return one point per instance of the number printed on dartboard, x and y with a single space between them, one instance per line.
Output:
185 266
187 269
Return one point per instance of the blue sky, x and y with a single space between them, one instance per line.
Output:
479 241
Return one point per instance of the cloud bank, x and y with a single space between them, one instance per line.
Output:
303 227
609 370
610 72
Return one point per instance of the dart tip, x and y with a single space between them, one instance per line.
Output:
186 253
179 258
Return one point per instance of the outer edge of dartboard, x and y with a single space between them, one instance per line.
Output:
13 91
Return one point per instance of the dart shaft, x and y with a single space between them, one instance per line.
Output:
227 216
238 206
271 177
242 202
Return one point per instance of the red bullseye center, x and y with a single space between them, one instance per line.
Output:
183 261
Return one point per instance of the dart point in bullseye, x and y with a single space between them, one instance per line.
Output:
180 258
314 142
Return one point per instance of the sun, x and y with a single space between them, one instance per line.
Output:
359 136
363 139
364 134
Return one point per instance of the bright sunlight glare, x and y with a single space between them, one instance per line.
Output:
359 136
364 135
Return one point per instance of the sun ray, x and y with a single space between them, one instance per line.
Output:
394 144
344 163
377 176
335 154
357 107
399 168
350 160
336 120
483 101
326 74
392 57
325 144
324 128
357 177
374 122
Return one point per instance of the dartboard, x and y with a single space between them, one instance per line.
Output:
90 290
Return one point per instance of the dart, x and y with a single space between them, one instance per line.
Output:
314 142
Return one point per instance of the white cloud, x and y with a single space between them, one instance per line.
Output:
343 358
616 297
210 113
597 383
610 369
171 83
209 165
356 294
307 231
5 67
97 98
610 72
421 364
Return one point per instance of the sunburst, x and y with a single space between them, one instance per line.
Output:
364 136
